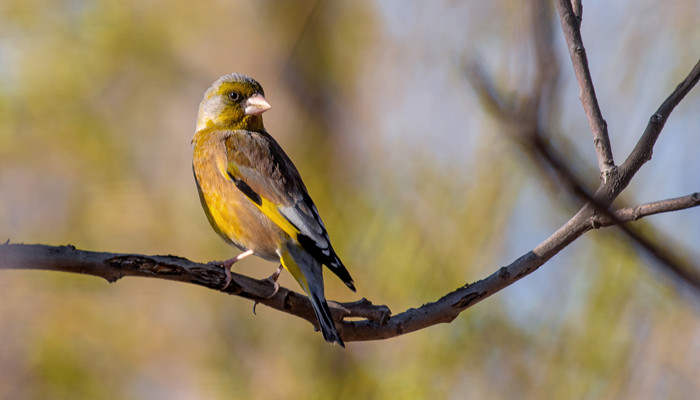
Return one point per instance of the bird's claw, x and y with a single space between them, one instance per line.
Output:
229 278
227 270
226 265
273 280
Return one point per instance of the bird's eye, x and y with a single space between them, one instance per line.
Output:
235 96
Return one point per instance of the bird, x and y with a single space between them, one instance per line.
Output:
254 197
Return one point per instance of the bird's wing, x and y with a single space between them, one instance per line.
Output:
260 169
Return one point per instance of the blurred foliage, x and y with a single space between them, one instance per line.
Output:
420 192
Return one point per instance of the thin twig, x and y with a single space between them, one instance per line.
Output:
570 23
643 149
525 127
628 214
595 210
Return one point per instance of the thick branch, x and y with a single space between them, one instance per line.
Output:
570 23
113 266
577 6
377 322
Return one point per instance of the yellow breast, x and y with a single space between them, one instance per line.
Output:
232 215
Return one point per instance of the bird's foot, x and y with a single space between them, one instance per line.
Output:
273 280
226 265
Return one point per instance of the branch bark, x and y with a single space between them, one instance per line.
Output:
114 266
376 320
645 145
571 24
628 214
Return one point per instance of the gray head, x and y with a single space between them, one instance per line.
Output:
234 101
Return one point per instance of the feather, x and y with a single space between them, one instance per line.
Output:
259 167
307 272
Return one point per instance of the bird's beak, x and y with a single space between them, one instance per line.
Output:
256 105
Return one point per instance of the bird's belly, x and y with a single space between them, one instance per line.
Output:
238 221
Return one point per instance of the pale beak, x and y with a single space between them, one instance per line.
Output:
256 105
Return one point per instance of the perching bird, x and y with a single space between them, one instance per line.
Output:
253 195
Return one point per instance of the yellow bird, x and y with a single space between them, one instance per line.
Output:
253 194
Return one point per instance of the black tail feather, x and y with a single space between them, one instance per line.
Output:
325 320
330 259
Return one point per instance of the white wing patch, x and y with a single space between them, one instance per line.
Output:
309 225
313 235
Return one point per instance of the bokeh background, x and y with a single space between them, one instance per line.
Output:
419 188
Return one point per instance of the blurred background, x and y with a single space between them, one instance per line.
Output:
420 190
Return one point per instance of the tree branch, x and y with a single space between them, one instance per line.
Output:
376 323
114 266
530 134
645 145
577 7
628 214
617 179
570 23
524 122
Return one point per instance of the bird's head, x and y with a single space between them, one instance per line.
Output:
234 101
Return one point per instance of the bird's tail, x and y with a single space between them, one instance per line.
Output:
309 274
